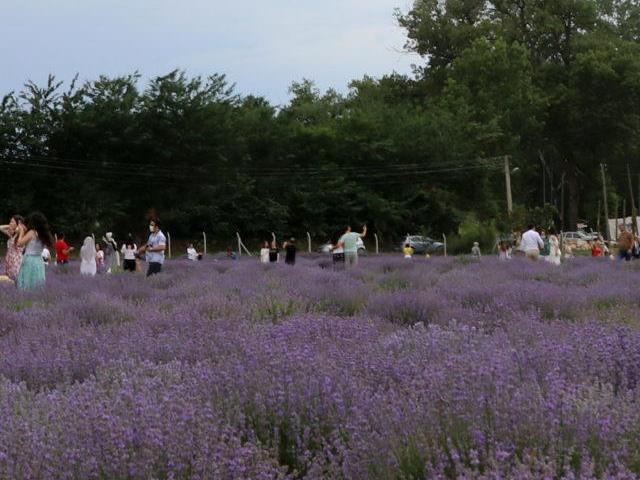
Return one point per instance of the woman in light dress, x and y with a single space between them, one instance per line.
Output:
99 257
111 256
33 236
264 253
554 249
13 258
88 265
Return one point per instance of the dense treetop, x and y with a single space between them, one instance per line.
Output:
553 84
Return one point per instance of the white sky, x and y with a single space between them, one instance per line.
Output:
261 46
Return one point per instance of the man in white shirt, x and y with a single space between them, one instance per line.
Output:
192 253
531 243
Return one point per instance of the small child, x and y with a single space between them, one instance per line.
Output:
503 251
407 251
475 251
46 256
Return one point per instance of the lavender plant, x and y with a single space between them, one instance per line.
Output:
397 369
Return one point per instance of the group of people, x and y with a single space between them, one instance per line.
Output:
27 240
270 252
536 244
628 245
30 241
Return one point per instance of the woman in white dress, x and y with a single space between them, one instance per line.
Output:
88 257
264 253
554 249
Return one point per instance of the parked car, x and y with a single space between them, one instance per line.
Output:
576 239
590 235
327 248
422 245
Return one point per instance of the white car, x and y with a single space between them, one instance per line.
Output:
328 248
576 239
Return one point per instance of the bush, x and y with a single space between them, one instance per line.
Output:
472 230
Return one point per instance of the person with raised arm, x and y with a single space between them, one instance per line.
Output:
13 257
349 242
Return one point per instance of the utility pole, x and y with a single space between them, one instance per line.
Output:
507 177
634 212
562 200
544 182
606 206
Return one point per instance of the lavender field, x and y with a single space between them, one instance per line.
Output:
397 370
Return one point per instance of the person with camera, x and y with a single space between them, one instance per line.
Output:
155 247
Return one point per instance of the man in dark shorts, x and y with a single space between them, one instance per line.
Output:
290 251
155 247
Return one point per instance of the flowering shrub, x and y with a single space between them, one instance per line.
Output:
397 369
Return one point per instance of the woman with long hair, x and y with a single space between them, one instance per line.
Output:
13 258
555 253
33 235
88 264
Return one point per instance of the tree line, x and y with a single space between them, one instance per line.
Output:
553 85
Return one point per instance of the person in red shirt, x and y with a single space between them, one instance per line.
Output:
596 251
62 250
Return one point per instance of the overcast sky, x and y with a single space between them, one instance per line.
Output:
260 45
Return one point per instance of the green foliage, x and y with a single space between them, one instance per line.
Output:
555 85
472 230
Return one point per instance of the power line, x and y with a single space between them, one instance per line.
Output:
150 171
380 178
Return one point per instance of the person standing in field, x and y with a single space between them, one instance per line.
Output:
192 253
475 250
111 259
46 256
34 235
289 247
531 243
155 247
264 252
625 244
88 265
349 242
407 251
546 249
13 257
62 250
99 255
128 251
274 252
554 248
503 251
